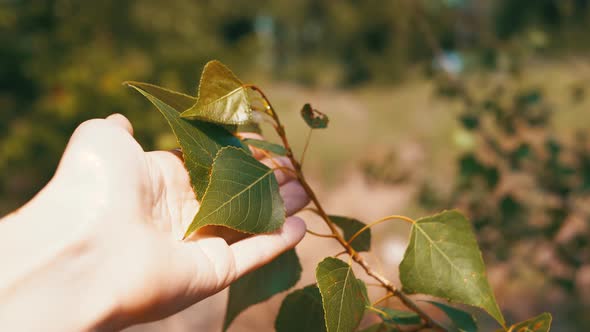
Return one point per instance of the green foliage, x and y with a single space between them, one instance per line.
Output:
267 146
222 97
178 101
200 141
443 260
344 297
397 317
349 227
314 118
260 285
541 323
243 194
522 183
302 311
462 321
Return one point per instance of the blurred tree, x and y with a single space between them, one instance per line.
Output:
62 61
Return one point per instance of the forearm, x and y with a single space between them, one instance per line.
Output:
57 295
48 285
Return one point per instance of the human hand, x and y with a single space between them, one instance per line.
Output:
99 247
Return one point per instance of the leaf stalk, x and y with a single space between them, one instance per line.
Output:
405 299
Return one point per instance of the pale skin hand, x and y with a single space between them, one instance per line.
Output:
99 247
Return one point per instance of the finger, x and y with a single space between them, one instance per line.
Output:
256 251
171 182
294 197
281 166
121 121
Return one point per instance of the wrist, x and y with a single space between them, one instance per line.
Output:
53 273
66 278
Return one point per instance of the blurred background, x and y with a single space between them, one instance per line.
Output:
475 104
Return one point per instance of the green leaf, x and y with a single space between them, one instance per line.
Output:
243 194
314 118
463 321
200 141
176 100
541 323
302 311
443 260
260 285
222 97
380 327
394 316
267 146
344 297
349 227
250 127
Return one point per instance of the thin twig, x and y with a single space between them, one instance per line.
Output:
371 284
319 235
307 140
322 213
384 298
340 253
285 170
384 314
377 222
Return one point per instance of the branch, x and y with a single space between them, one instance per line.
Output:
318 234
322 213
384 219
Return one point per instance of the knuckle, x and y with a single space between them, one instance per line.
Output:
90 126
96 128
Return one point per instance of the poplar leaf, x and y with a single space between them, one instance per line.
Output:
260 285
349 227
267 146
302 311
314 118
400 317
541 323
177 100
243 194
444 260
463 321
344 297
222 97
200 141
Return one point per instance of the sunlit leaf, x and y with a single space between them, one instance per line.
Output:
394 316
267 146
177 100
200 141
243 194
302 311
462 321
541 323
249 127
222 97
344 296
349 227
314 118
443 260
260 285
